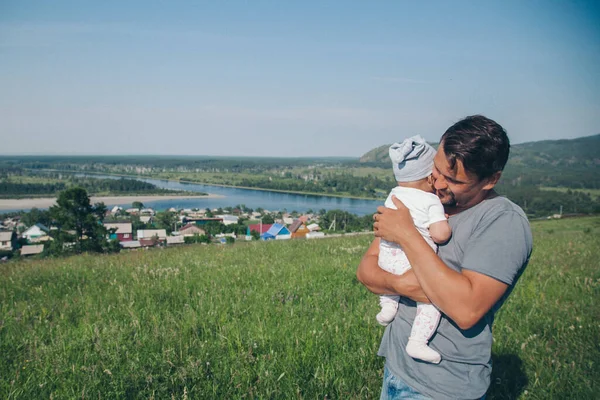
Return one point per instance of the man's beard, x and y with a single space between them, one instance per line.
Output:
447 198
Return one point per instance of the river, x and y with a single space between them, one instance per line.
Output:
250 198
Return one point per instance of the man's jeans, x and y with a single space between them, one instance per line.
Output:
394 388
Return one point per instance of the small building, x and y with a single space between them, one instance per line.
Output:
191 230
122 231
298 229
133 211
146 219
200 220
276 231
8 240
147 211
131 244
225 235
172 240
116 209
12 223
288 220
259 228
313 227
36 233
229 219
315 235
148 242
161 234
32 249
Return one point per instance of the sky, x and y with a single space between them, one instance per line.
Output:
289 79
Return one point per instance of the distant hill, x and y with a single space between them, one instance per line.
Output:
573 163
580 151
564 151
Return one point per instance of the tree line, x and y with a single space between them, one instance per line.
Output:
13 188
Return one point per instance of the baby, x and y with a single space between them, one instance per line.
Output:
413 161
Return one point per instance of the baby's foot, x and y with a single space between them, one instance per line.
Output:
421 351
386 315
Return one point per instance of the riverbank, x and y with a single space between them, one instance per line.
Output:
45 202
320 194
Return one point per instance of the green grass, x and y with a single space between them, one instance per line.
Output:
272 320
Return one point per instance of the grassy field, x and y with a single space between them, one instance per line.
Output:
595 193
273 320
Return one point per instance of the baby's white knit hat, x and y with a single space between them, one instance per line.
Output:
412 159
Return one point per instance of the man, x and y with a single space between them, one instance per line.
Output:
469 278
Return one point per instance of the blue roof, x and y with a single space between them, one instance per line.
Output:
42 227
276 229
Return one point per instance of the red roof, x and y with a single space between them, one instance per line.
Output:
256 227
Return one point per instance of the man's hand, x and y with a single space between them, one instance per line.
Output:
394 225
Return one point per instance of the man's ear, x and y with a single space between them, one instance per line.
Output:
492 180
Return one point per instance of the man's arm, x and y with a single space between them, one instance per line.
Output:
464 297
379 281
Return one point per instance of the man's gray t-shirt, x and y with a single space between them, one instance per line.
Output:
492 238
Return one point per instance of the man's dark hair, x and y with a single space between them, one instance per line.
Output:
479 143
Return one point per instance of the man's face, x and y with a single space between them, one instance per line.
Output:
458 188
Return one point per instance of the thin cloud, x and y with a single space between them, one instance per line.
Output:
51 34
399 80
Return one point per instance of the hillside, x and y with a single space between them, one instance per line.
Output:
282 319
571 163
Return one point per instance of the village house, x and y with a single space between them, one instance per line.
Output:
161 234
133 244
150 242
191 229
147 211
116 209
36 233
31 250
224 235
8 240
315 235
313 227
276 231
146 219
259 228
298 229
12 222
228 219
200 221
172 240
123 231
